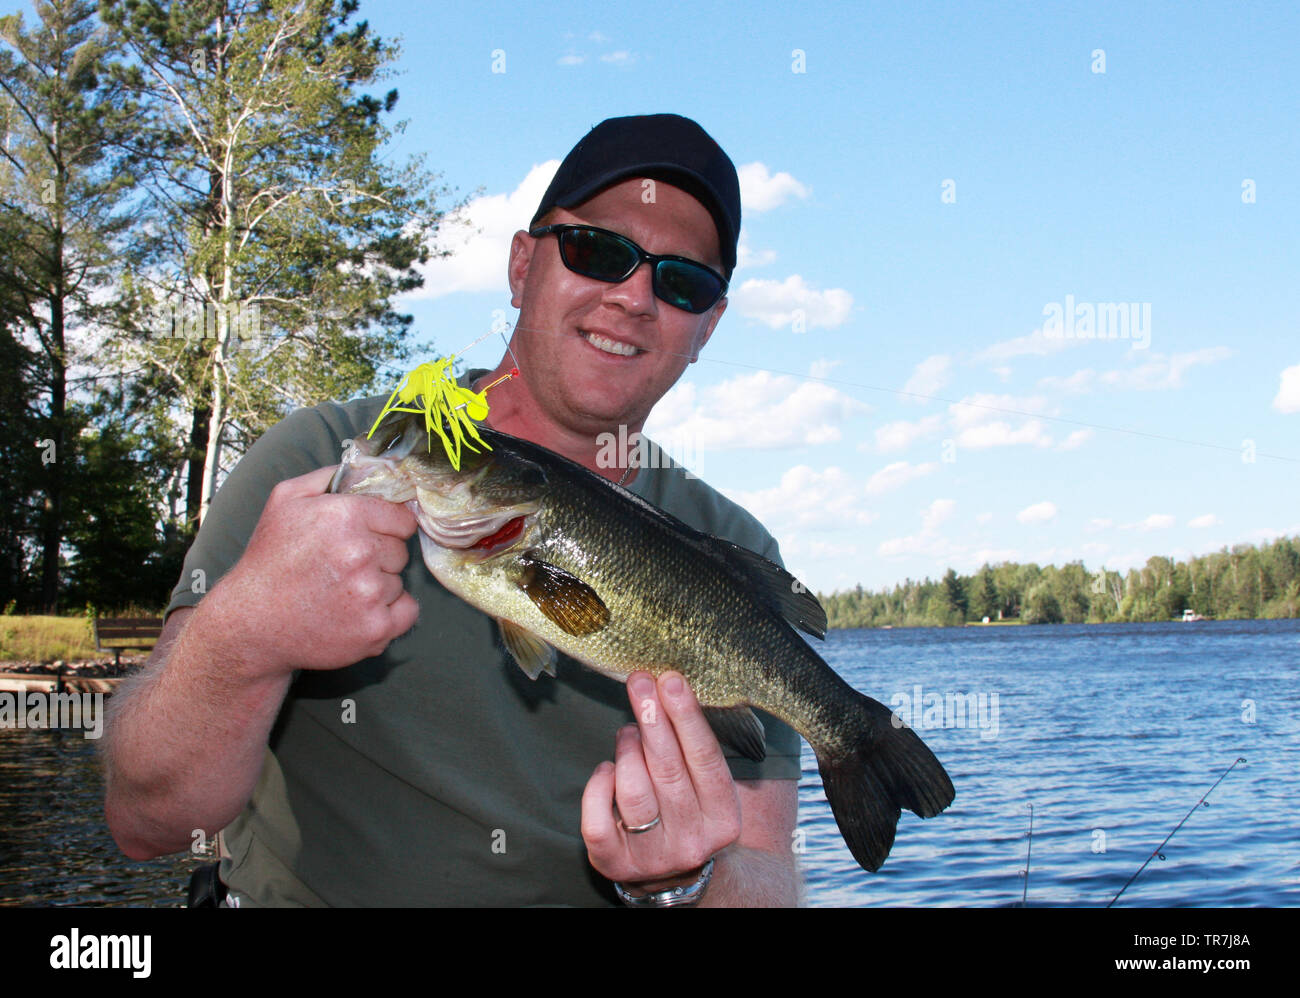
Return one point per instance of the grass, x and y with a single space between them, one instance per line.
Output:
47 639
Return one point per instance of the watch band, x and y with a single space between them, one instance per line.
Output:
683 896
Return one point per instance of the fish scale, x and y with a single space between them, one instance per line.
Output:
567 560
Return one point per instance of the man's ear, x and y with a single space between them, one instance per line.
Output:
521 258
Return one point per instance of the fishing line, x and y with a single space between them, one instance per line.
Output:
1201 802
939 398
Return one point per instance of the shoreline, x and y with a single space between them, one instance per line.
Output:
1061 623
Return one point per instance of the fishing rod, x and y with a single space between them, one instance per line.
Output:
1157 852
1024 897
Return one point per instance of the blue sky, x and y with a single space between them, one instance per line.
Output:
924 191
923 185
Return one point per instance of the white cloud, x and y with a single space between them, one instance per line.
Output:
1078 383
983 407
929 376
983 518
1039 512
1265 534
1208 520
598 37
1157 521
938 511
622 57
1099 523
900 435
928 540
1288 393
898 474
746 256
1035 345
1161 372
1076 439
808 499
480 238
570 60
976 418
1001 434
822 368
780 303
762 191
753 411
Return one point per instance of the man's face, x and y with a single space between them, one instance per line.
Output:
593 354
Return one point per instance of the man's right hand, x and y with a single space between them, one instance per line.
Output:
320 584
318 587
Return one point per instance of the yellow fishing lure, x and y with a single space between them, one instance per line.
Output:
442 401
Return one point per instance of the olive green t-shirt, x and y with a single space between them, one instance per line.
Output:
436 773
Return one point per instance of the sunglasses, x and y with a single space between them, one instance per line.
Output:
606 256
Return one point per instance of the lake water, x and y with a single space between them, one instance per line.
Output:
1111 732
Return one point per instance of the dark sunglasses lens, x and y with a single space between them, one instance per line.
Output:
597 254
686 285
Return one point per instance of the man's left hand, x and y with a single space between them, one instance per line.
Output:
667 766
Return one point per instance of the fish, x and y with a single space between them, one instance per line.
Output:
568 561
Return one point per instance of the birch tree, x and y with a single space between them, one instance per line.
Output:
281 237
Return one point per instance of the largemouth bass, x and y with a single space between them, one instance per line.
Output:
565 559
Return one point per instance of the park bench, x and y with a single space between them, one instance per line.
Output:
137 633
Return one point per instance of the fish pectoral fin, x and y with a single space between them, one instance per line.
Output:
739 728
530 652
568 602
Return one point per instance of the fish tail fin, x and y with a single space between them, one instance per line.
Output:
868 782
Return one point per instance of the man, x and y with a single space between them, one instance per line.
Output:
352 759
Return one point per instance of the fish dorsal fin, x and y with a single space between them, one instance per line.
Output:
785 595
532 654
739 728
568 602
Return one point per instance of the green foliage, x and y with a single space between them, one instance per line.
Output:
64 187
1042 606
281 234
119 555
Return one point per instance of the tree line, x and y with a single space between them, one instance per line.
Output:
1244 582
198 234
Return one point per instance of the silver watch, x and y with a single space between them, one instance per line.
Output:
671 897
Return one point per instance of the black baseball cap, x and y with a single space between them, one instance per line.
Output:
663 147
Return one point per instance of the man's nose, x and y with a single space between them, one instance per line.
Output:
635 294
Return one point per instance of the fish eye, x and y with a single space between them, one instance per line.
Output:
391 441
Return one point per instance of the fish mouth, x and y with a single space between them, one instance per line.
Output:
365 474
609 345
479 536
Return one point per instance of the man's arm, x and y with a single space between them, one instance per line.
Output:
318 587
759 869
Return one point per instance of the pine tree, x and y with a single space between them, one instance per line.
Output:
61 191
